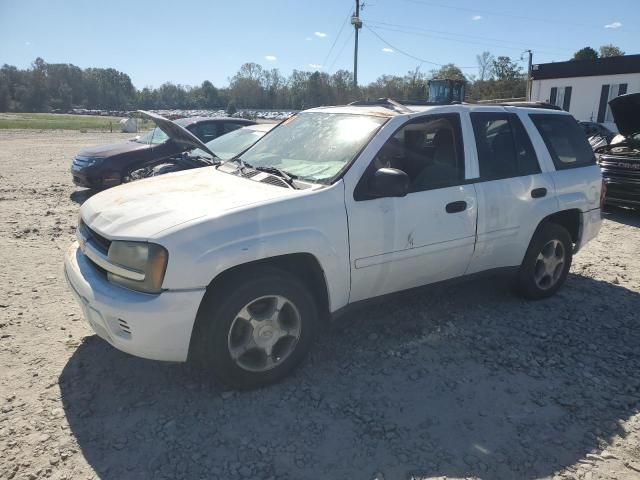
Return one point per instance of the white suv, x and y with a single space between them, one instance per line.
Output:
237 264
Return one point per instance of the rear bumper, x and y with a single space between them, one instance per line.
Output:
157 327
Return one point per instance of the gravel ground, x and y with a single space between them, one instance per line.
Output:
459 381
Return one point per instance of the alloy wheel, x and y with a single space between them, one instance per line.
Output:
264 333
549 264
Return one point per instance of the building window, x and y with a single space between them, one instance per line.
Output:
561 97
609 92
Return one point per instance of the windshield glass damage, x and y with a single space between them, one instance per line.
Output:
314 146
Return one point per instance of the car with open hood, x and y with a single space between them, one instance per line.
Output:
214 152
236 266
105 166
619 158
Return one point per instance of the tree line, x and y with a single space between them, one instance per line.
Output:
59 86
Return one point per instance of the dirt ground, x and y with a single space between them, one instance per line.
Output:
464 381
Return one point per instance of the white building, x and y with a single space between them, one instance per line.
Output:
585 87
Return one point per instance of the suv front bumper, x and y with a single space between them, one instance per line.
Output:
157 327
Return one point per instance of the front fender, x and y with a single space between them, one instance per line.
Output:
314 225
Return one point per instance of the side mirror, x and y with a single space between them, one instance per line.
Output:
390 182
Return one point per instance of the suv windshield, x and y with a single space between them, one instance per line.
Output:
314 146
229 145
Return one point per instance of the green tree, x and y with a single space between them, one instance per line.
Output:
485 66
448 72
209 95
586 53
610 51
231 108
505 69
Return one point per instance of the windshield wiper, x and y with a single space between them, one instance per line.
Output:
241 165
287 177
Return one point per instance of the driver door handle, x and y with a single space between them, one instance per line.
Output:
455 207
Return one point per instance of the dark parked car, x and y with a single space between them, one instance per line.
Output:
109 165
593 128
214 152
619 159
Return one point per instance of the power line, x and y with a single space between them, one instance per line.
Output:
346 21
401 28
421 60
339 52
390 29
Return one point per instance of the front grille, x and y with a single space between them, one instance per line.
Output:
622 168
101 243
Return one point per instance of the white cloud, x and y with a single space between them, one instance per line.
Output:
613 25
317 66
320 34
308 39
476 17
271 58
387 50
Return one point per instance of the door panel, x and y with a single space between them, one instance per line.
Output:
400 243
508 214
427 235
513 194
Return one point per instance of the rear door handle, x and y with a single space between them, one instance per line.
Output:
454 207
538 192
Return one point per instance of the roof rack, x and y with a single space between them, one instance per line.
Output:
543 105
383 102
400 105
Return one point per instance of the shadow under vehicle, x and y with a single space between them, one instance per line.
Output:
463 381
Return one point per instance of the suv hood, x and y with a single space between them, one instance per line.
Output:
626 113
141 210
178 134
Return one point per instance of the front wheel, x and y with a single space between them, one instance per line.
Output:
256 328
547 262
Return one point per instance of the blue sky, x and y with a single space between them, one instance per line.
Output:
189 41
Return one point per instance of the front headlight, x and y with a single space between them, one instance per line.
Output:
88 161
146 262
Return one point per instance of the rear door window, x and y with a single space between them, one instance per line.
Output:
565 140
504 148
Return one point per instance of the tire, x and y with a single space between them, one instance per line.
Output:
276 301
547 262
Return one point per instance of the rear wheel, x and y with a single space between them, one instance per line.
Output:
256 328
547 262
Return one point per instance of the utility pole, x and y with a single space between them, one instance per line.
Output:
357 24
529 71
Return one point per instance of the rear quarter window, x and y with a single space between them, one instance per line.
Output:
565 140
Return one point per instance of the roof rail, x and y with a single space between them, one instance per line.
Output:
543 105
384 102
